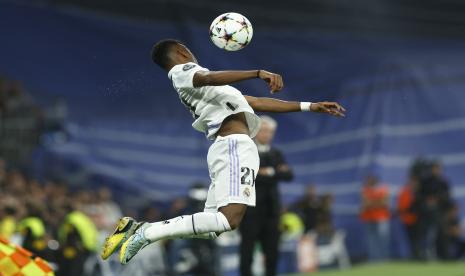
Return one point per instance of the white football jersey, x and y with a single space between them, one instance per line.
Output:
210 105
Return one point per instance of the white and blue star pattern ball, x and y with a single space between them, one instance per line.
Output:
231 31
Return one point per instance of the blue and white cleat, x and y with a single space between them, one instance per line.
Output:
134 244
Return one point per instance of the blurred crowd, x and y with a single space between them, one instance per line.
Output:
51 220
429 213
425 208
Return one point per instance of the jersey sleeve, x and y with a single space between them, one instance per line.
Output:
183 75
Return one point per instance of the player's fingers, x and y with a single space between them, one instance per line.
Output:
335 105
324 109
266 77
330 104
337 113
281 83
273 84
272 88
341 108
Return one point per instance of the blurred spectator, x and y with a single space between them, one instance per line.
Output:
322 246
101 208
32 229
433 199
454 244
324 221
7 220
78 237
110 211
315 211
291 225
375 214
307 208
261 224
177 207
407 208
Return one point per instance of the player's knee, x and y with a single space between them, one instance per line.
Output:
234 222
234 214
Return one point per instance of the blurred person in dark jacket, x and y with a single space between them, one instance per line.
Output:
261 224
307 208
433 199
324 218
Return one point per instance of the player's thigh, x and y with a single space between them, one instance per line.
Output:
236 172
233 164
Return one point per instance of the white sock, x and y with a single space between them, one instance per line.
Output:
199 225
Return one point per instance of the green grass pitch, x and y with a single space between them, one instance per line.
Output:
398 269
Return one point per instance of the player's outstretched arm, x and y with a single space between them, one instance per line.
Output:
279 106
215 78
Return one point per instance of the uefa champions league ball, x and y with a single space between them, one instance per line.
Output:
231 31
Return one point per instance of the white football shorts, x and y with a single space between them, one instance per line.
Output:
233 164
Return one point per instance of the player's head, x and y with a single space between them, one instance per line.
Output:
267 130
167 53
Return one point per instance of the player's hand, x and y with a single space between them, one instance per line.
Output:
275 81
266 171
331 108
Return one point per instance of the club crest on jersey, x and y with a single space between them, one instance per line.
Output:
246 192
188 67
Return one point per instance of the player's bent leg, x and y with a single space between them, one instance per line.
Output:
234 212
125 227
202 225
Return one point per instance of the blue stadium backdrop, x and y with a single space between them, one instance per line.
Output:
405 98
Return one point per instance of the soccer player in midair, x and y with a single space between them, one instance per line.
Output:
227 117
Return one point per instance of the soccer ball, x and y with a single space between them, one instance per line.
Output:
231 31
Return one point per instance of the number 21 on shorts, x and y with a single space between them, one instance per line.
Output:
248 176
